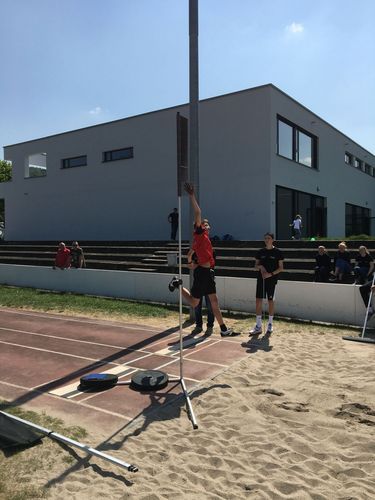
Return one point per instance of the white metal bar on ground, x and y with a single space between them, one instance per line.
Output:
188 402
72 442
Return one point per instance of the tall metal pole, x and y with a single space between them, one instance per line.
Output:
193 113
194 98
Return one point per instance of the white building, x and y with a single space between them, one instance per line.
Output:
263 158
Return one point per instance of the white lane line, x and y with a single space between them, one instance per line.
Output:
77 403
176 347
69 340
48 350
66 389
80 320
95 394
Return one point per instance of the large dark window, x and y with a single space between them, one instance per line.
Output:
77 161
357 220
296 144
118 154
285 142
312 209
305 149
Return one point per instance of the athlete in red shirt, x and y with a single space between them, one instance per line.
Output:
204 277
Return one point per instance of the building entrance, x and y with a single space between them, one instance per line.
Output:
311 208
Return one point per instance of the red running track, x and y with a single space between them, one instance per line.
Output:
43 356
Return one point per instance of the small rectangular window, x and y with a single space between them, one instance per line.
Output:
357 163
368 168
77 161
118 154
348 159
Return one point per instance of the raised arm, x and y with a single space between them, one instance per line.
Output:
189 188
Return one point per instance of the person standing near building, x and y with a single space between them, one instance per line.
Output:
173 220
62 259
269 263
297 227
192 257
76 254
204 276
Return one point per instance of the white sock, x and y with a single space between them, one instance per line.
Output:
259 321
270 319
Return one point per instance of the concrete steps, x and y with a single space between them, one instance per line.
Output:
233 258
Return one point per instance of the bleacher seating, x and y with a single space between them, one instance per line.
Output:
233 258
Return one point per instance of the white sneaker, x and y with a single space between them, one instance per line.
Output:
256 330
269 328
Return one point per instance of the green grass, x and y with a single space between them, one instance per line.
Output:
43 420
42 300
21 471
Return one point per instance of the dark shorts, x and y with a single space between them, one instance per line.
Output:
204 282
269 288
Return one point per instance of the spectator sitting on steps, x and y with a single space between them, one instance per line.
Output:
364 266
342 262
77 257
62 259
323 265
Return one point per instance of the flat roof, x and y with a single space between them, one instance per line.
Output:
269 85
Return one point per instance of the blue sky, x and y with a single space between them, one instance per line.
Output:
68 64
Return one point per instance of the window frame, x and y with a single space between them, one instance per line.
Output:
350 158
107 155
65 161
295 143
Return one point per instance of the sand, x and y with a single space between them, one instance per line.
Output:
294 420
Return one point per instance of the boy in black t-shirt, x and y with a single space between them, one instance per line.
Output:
323 265
269 262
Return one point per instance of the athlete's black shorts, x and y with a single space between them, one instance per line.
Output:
204 282
269 288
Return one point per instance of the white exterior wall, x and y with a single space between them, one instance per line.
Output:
234 163
118 200
130 199
298 300
334 180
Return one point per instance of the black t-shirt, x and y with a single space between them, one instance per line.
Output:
343 256
269 259
363 261
173 218
323 260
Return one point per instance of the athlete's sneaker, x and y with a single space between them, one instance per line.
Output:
228 333
174 283
196 330
256 330
269 328
209 331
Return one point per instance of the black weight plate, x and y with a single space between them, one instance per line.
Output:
149 380
98 381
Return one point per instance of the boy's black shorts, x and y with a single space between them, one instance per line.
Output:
269 288
204 282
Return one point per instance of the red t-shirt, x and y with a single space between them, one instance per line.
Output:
202 247
62 257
